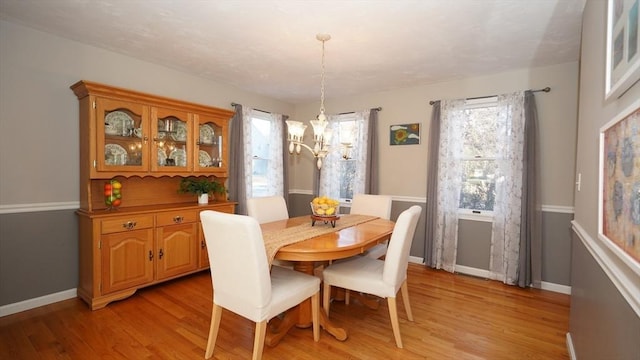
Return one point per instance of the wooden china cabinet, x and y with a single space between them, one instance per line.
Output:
148 144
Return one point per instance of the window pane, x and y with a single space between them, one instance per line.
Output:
260 180
479 132
260 132
347 177
478 190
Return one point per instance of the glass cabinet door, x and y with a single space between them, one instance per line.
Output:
210 145
172 140
122 135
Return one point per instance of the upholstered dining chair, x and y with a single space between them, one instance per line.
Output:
242 282
267 209
382 278
374 205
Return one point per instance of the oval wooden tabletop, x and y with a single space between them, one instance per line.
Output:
335 245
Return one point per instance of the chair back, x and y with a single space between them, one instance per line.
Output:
238 262
397 258
267 209
374 205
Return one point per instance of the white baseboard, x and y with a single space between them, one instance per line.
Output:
37 302
416 260
570 349
485 274
472 271
564 289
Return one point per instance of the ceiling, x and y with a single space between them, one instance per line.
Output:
269 47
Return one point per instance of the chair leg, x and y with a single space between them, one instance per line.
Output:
405 299
347 296
315 314
393 314
258 340
326 298
216 313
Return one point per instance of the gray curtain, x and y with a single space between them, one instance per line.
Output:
432 184
372 182
285 160
530 264
236 186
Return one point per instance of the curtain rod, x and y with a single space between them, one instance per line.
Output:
379 108
547 89
268 112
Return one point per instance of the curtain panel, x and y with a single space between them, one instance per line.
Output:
236 183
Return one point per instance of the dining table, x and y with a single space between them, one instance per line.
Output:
308 243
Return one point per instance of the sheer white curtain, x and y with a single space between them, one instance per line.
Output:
505 234
330 173
445 241
275 159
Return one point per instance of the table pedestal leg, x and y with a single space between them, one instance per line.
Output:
300 316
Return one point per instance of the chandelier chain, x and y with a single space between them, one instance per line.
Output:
322 81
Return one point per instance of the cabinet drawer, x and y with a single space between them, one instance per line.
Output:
176 217
126 223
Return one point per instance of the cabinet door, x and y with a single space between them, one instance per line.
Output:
211 150
127 260
172 149
177 250
122 136
202 249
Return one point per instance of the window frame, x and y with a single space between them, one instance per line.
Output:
477 214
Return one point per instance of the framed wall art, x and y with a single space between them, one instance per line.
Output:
623 47
404 134
619 203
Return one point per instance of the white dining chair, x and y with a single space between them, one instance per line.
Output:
242 282
374 205
381 278
267 209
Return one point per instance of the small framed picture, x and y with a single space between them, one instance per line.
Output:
623 43
404 134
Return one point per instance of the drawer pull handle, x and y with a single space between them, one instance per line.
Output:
150 255
160 254
178 219
203 244
129 225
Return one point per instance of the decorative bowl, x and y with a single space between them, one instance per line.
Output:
325 210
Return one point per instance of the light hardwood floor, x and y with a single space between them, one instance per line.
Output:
456 317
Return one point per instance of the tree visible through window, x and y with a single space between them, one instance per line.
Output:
478 190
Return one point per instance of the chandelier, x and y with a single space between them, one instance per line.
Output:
321 134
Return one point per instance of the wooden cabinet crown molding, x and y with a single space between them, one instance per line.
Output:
85 88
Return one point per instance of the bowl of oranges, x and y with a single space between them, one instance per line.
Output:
324 206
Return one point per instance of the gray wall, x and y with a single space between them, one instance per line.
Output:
604 322
38 254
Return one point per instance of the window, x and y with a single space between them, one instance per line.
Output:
343 171
263 154
478 190
260 134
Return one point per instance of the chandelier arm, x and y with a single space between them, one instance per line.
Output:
308 148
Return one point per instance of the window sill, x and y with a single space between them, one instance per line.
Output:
486 217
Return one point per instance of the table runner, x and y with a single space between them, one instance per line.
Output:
274 240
